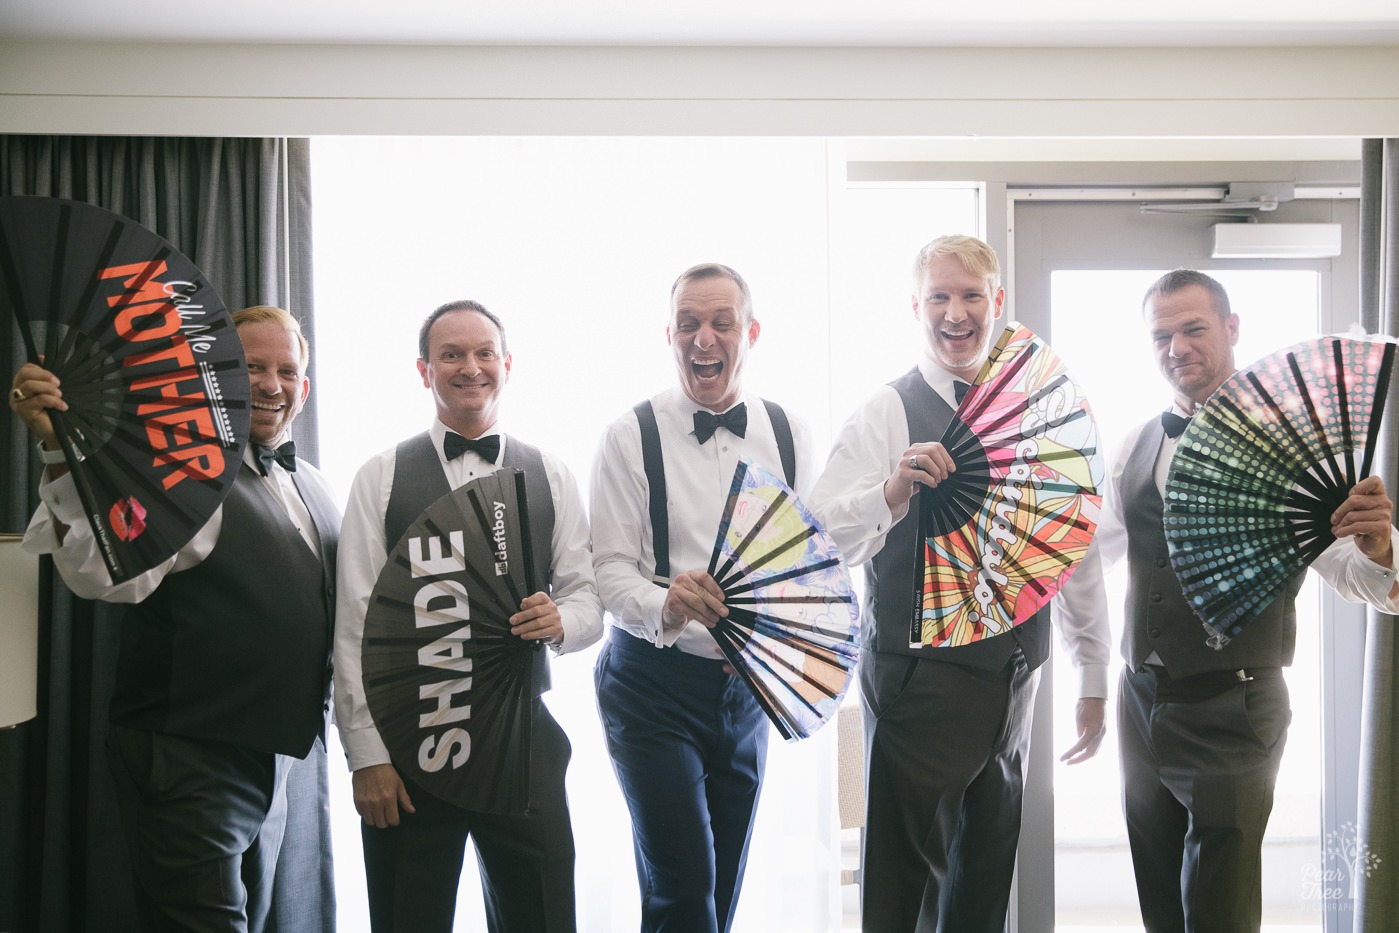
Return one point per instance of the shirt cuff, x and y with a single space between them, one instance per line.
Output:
61 497
1093 680
872 505
575 631
664 635
1374 580
363 747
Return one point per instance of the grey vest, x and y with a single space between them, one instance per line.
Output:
1158 617
237 648
418 482
889 575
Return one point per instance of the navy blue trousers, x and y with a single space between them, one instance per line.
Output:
689 745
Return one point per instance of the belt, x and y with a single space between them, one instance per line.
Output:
1206 682
671 655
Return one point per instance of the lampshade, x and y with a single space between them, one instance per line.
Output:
19 633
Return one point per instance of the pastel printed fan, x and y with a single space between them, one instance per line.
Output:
1001 535
792 631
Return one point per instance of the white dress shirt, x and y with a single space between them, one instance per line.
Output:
363 554
79 560
1343 565
849 501
698 478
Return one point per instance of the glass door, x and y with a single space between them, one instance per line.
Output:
1080 273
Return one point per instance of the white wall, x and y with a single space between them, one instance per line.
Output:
190 89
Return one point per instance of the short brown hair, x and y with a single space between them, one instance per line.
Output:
715 270
1178 279
461 304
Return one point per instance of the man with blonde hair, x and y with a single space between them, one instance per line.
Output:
947 730
223 674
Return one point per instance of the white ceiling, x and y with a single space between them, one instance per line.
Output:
716 22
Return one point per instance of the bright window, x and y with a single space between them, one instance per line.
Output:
575 244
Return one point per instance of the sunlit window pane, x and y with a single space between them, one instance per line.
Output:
575 243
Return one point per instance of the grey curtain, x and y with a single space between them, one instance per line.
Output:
1375 866
240 208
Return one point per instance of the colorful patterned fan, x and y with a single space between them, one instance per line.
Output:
792 631
449 687
1262 466
1000 536
151 366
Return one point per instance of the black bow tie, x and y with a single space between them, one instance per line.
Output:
735 419
1173 423
285 455
487 448
960 389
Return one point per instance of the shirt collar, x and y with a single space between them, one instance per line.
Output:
938 379
688 406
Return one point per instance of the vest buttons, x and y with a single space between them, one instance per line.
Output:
1156 597
1154 632
1161 562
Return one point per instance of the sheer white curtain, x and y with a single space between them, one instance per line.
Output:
575 243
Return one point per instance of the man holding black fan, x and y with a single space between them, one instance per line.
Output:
687 738
1203 725
222 678
413 841
947 729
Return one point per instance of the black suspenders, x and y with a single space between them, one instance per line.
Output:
655 481
654 465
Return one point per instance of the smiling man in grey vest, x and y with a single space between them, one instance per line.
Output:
1202 729
222 678
413 842
947 730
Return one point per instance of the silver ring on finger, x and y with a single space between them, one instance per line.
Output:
913 462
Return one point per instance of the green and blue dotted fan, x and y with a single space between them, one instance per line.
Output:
1261 468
